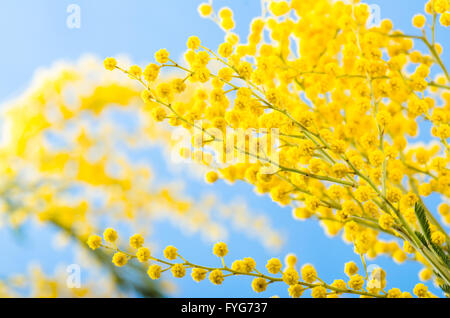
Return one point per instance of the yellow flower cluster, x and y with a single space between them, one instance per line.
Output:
372 285
344 103
64 101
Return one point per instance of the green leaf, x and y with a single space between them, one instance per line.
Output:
441 253
421 238
437 274
445 288
423 221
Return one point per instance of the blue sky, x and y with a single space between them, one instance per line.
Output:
34 34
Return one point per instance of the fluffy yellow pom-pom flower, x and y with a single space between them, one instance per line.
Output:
120 259
220 249
170 252
178 270
198 274
216 277
94 241
110 235
193 43
274 265
259 284
154 271
205 9
110 63
136 241
309 273
162 56
211 177
143 254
